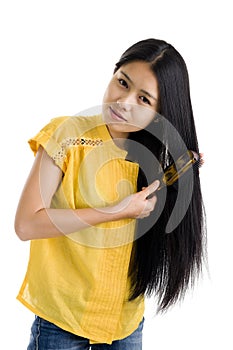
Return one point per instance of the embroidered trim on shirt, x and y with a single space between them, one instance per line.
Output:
75 141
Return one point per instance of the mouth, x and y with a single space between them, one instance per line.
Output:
116 115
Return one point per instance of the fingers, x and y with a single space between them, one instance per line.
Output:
149 199
148 208
199 157
201 161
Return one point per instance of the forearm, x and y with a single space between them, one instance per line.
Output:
50 223
34 221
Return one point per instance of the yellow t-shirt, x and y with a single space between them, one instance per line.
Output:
80 281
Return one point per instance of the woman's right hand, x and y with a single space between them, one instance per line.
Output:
138 205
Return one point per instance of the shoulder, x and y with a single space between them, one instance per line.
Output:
68 130
73 125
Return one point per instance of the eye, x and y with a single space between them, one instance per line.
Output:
145 100
122 82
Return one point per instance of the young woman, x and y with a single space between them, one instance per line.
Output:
98 228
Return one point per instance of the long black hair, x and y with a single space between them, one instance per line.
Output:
166 264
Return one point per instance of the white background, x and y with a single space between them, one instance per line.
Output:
56 59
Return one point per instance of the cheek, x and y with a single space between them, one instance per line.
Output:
111 93
108 96
105 97
143 118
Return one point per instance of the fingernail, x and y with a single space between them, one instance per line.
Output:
157 182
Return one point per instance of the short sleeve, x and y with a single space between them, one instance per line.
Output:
51 138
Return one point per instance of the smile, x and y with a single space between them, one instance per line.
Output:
116 115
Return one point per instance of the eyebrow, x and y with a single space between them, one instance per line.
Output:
142 90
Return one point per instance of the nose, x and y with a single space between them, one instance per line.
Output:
126 102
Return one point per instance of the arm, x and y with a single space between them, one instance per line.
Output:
35 219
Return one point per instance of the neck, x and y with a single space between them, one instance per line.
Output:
119 138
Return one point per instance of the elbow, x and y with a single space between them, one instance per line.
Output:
22 230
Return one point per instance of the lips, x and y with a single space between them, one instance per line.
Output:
116 115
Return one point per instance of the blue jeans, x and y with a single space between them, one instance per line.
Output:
47 336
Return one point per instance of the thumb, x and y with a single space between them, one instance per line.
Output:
152 188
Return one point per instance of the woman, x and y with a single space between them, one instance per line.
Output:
98 231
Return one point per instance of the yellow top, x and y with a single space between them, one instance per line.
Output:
80 281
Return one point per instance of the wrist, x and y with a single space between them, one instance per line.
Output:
112 213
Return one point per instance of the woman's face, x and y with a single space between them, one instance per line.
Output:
131 99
